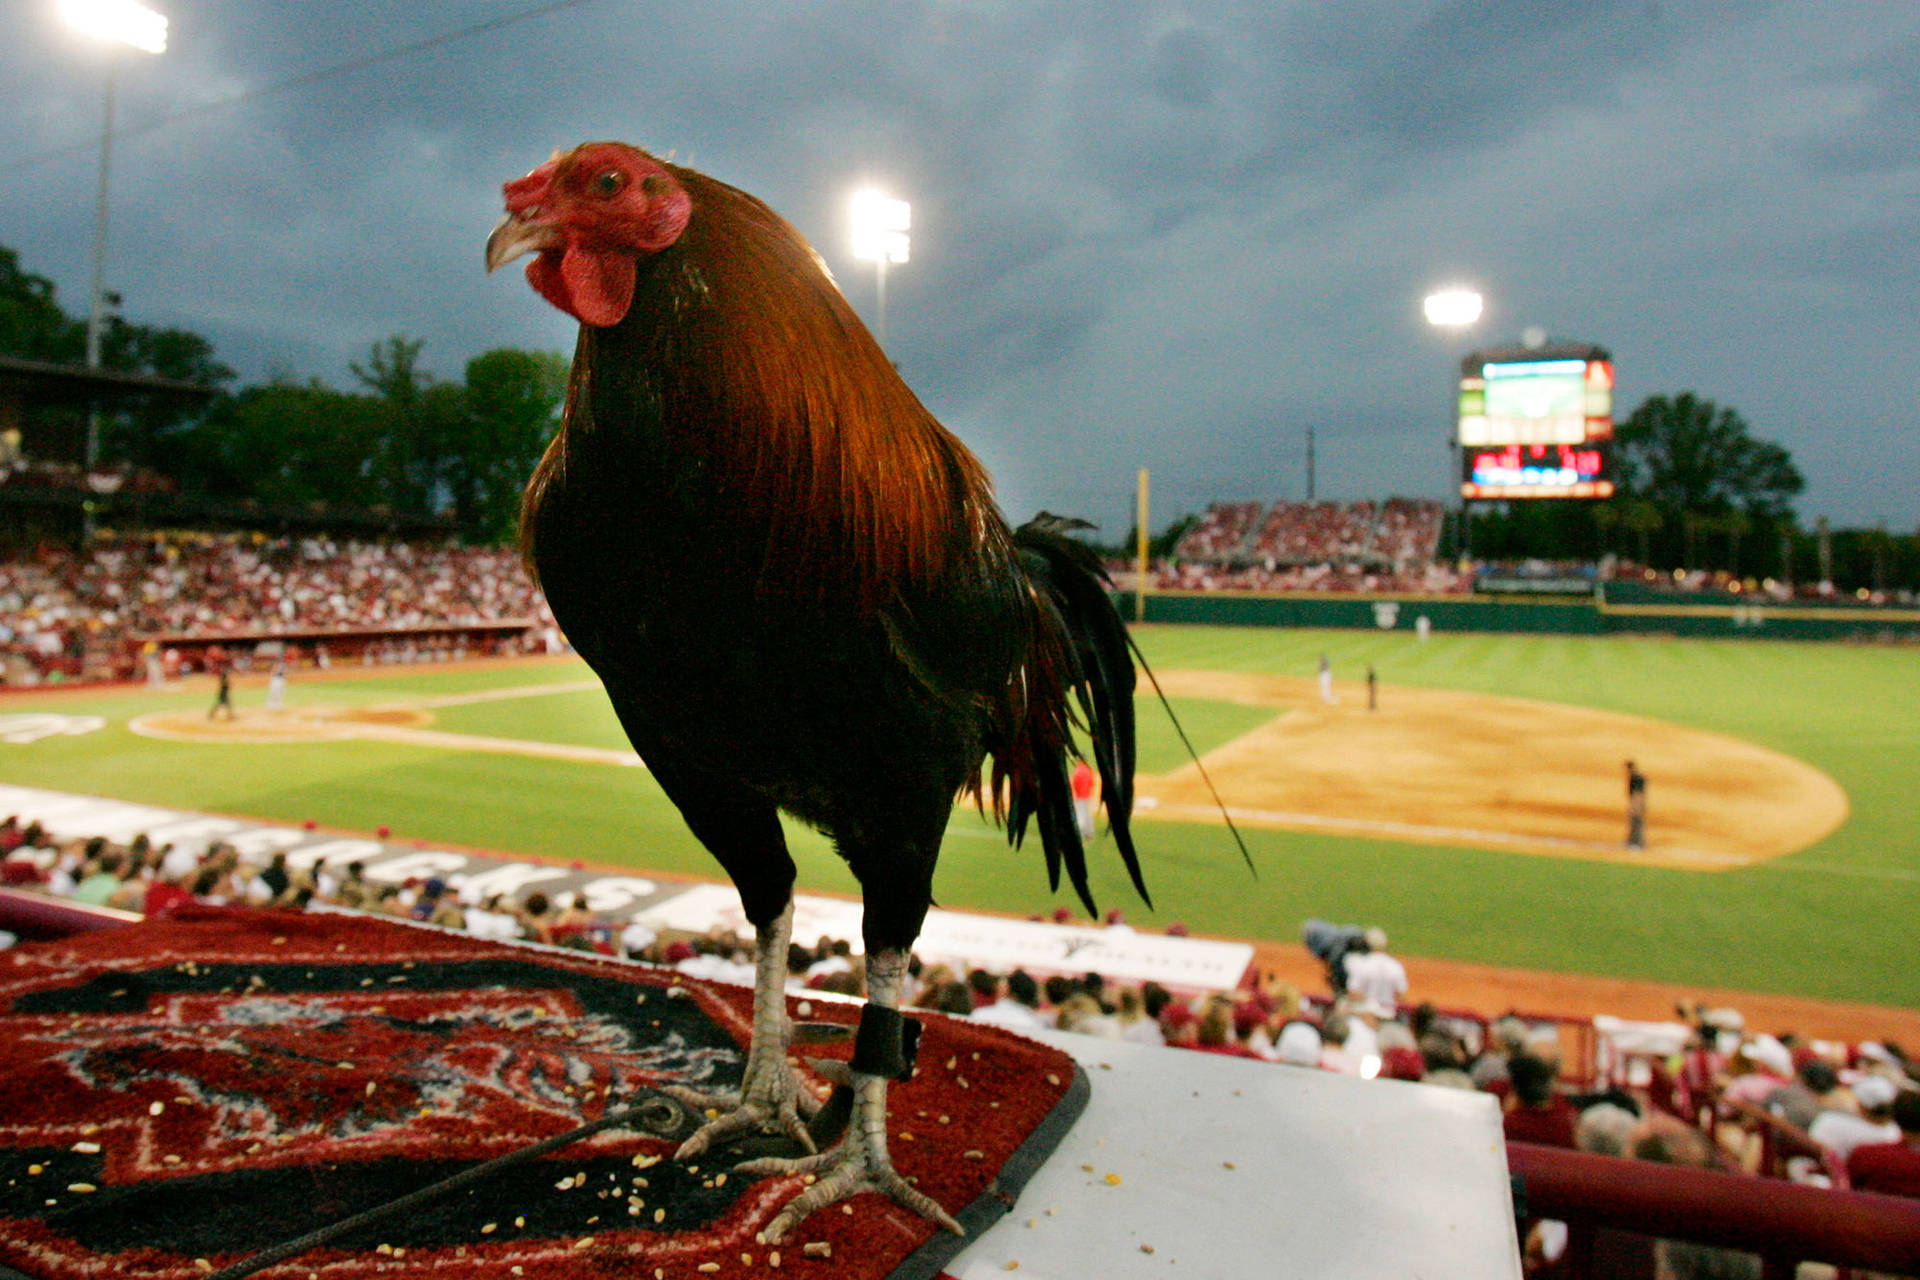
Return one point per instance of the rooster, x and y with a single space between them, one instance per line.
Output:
801 597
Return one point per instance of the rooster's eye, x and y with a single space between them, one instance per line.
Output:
609 183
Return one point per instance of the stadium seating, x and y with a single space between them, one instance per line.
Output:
1313 546
1221 533
84 615
1398 533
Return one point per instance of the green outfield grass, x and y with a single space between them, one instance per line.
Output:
1824 922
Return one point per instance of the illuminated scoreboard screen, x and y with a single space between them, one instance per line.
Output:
1537 424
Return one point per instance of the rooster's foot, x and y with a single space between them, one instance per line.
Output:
858 1163
772 1102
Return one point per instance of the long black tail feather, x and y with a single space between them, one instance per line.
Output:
1194 755
1070 587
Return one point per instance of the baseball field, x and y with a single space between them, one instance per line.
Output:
1477 811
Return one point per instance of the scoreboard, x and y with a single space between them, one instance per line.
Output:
1535 471
1537 422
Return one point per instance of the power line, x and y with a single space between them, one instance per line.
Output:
92 144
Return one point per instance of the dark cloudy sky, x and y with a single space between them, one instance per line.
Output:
1145 233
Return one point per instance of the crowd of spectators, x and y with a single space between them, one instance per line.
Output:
1759 591
1823 1113
62 612
1307 532
1393 547
1269 1020
1409 530
1402 534
1428 579
1221 531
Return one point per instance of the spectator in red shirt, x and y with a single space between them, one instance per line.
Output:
22 870
1083 783
1179 1025
1891 1168
1535 1112
163 896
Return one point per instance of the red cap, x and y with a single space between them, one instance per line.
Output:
1402 1063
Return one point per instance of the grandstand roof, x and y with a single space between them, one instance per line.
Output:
41 382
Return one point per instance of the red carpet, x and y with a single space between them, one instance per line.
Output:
184 1093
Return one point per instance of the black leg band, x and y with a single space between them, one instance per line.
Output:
887 1043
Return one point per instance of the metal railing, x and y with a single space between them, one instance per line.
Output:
1783 1222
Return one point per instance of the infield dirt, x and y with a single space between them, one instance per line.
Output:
1509 774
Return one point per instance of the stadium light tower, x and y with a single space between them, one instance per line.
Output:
880 226
1455 309
117 23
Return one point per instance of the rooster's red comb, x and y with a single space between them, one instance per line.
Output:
531 191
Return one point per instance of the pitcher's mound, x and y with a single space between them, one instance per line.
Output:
293 724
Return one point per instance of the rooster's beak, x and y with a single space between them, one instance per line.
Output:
516 235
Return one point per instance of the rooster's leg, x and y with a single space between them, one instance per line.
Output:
771 1099
860 1161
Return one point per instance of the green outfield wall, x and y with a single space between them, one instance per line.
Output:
1638 614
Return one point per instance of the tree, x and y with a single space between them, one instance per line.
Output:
1643 520
285 444
1606 517
470 446
32 325
406 467
511 406
1699 471
408 443
1687 454
1694 527
1736 526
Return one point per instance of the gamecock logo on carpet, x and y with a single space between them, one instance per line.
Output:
186 1093
307 1091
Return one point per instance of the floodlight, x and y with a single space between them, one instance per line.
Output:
125 22
880 226
1451 308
